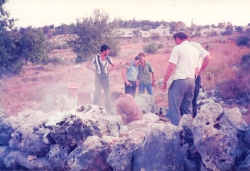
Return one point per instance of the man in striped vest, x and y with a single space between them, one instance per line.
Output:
101 62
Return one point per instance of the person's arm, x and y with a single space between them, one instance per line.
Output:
205 63
61 103
112 67
90 67
137 82
124 70
153 79
152 74
120 112
204 54
168 73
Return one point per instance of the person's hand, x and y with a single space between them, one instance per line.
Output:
128 83
137 83
153 83
164 87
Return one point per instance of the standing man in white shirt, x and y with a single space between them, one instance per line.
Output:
183 63
204 59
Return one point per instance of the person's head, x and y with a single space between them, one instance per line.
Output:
115 95
72 88
142 56
105 49
137 60
179 37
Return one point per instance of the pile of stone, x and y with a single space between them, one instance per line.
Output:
87 138
147 104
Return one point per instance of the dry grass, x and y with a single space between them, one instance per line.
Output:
20 93
222 66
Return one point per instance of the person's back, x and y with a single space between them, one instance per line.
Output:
202 52
128 109
186 62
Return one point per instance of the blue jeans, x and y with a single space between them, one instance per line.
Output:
148 87
102 82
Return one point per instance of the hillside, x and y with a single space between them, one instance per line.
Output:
32 87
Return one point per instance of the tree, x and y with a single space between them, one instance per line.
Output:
32 46
146 27
94 31
239 29
177 26
8 62
46 29
18 48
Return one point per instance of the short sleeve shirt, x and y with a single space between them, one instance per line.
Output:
186 59
202 52
144 73
132 72
101 66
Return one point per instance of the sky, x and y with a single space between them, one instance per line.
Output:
38 13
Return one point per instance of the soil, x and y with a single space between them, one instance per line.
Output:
37 83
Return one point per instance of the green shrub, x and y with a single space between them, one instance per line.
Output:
135 40
146 39
226 33
58 46
160 45
46 61
80 59
242 41
195 35
114 52
238 86
245 58
214 33
65 46
155 36
150 48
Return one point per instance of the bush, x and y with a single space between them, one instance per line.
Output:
150 48
161 45
114 52
146 39
242 41
245 58
155 36
239 86
80 59
195 35
248 31
229 89
226 33
65 46
214 33
58 46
